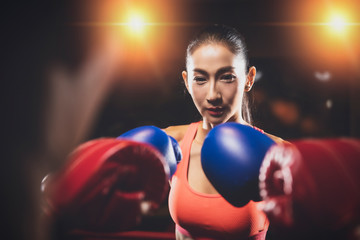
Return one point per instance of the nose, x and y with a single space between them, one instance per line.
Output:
214 95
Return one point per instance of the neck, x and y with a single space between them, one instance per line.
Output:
206 126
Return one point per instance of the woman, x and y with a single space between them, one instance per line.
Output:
217 79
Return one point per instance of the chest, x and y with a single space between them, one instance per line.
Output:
196 176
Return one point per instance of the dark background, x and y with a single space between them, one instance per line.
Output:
284 44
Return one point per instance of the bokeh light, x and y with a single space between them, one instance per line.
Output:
338 23
136 23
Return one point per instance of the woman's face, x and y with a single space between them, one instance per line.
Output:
216 80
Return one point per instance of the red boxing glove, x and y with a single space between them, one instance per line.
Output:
311 188
106 185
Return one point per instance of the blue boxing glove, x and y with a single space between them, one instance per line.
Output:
177 149
156 137
231 158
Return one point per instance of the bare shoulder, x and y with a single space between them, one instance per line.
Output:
176 132
275 138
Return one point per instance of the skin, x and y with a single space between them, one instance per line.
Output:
216 79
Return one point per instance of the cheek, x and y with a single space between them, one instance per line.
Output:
198 94
233 95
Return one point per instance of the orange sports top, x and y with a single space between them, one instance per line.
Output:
210 216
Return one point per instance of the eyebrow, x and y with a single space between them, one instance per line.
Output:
218 72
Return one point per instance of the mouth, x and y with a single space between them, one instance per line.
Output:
215 111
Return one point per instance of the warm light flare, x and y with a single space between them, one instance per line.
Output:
338 23
136 23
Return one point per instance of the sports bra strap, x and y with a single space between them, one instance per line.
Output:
189 135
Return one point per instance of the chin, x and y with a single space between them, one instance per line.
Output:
216 121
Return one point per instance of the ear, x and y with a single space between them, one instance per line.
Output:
250 78
184 76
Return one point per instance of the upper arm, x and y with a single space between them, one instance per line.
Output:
274 138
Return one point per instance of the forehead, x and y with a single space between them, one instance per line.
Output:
213 56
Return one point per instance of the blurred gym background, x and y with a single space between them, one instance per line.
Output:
307 55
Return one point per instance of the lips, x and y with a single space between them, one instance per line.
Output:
215 111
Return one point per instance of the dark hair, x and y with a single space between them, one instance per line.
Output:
233 40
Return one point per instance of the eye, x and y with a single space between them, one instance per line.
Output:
228 78
199 80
